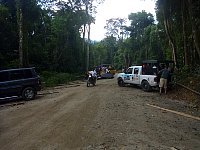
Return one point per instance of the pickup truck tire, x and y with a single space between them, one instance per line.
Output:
145 86
28 93
120 82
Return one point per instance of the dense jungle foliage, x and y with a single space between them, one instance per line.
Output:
54 35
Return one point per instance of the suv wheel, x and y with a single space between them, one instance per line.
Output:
28 93
145 86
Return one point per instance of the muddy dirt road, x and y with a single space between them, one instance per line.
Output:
102 117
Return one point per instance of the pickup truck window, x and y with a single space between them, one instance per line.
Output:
147 70
129 70
136 70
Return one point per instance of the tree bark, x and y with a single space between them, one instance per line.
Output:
88 48
83 44
87 51
20 30
21 37
171 41
184 16
194 28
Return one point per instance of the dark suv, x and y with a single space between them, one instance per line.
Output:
22 82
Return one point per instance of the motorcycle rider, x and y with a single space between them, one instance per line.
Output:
93 74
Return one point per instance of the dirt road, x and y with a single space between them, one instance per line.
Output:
102 117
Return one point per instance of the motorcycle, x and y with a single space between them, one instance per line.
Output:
91 80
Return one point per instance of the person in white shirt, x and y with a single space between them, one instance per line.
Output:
107 71
93 73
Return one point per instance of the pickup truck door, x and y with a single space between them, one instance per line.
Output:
128 77
136 75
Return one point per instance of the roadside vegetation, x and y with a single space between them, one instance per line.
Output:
187 86
51 79
189 77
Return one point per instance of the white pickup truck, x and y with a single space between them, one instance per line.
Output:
134 75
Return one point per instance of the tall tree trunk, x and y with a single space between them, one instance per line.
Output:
171 41
83 44
88 48
194 28
21 38
147 51
127 59
25 46
20 30
184 16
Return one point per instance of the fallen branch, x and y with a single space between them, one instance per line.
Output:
175 112
188 88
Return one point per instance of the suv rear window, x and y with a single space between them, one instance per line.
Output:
16 74
28 73
4 76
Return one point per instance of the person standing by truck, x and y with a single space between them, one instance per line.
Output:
163 79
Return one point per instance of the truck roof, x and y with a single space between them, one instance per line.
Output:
158 61
135 66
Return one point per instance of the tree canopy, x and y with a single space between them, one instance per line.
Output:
51 35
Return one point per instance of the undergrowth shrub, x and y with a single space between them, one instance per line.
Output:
189 76
51 79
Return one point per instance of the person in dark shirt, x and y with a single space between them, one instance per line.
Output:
163 79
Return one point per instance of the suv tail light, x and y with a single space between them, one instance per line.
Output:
39 81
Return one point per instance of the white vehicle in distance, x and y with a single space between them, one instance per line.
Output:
135 76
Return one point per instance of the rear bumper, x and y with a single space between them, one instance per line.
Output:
154 84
